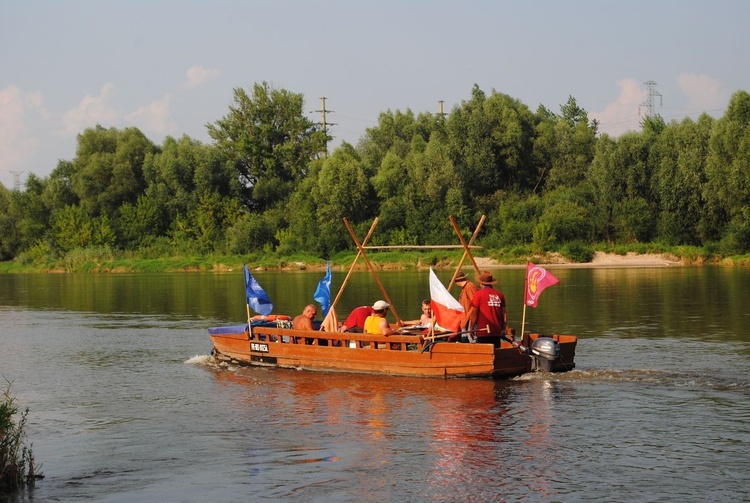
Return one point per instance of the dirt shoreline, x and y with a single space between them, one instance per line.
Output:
600 259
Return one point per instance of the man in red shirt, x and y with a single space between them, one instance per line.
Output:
468 290
489 307
355 322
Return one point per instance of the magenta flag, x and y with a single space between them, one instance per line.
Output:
537 279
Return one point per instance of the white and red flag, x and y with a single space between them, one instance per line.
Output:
445 307
537 279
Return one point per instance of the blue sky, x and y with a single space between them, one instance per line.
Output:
169 67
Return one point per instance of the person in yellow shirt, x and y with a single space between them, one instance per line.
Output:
376 323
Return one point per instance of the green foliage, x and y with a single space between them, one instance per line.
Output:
267 138
577 252
141 223
252 232
17 466
653 124
736 239
679 155
491 143
72 228
394 135
567 216
565 145
546 181
633 220
108 168
727 188
514 221
86 259
39 254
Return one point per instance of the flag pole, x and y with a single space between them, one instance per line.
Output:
525 292
245 274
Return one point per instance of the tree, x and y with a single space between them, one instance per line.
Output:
394 135
568 216
342 190
491 142
620 170
679 156
72 228
727 191
58 190
9 215
108 168
268 141
572 149
435 192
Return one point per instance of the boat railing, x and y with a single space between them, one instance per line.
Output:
396 342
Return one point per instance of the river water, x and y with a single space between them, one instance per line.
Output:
127 405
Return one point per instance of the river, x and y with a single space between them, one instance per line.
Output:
125 403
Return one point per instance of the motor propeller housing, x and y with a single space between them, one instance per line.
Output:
545 351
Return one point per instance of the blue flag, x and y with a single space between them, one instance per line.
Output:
256 296
323 292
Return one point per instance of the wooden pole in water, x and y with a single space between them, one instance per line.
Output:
467 251
374 273
359 254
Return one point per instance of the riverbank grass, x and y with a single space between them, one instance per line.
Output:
105 260
17 467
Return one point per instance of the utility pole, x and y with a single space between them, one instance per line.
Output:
649 103
325 124
17 180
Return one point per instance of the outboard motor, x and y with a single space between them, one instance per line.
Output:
544 350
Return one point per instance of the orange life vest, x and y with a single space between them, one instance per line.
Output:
270 317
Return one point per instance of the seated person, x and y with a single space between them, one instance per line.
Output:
376 322
426 318
304 320
355 322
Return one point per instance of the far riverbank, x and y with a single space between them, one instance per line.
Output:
110 262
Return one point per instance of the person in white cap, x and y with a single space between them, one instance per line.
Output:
376 322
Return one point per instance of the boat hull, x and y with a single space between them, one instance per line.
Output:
406 355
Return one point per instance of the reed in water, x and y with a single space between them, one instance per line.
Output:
17 468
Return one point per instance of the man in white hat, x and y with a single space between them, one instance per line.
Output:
376 322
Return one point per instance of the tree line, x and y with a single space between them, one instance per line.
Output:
546 180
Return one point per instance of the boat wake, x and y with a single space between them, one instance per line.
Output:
207 361
726 381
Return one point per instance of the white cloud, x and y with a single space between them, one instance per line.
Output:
18 111
623 114
92 110
704 94
197 76
155 117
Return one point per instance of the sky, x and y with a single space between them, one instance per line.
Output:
169 67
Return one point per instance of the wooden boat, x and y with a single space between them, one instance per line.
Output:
411 352
265 344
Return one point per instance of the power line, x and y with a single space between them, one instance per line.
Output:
16 180
649 103
441 113
325 124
